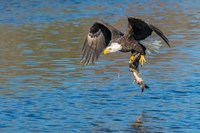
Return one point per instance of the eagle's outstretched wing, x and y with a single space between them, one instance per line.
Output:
139 30
96 41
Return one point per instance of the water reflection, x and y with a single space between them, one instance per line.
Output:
44 88
138 125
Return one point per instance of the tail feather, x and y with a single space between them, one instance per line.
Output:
152 46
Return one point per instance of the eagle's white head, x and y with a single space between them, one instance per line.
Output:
114 47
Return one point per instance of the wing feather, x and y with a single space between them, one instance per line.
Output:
139 30
96 41
160 33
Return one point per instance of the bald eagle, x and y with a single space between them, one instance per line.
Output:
105 38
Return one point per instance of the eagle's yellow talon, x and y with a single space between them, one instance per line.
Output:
142 60
131 58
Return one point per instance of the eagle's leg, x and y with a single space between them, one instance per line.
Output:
142 60
131 59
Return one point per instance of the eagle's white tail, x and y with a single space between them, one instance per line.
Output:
152 46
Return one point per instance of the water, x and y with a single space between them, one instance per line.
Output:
44 88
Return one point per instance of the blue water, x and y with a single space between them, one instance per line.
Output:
44 88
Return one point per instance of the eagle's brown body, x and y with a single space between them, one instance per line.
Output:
130 45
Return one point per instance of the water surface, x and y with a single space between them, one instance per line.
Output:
44 88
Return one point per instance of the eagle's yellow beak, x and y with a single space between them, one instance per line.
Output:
106 51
